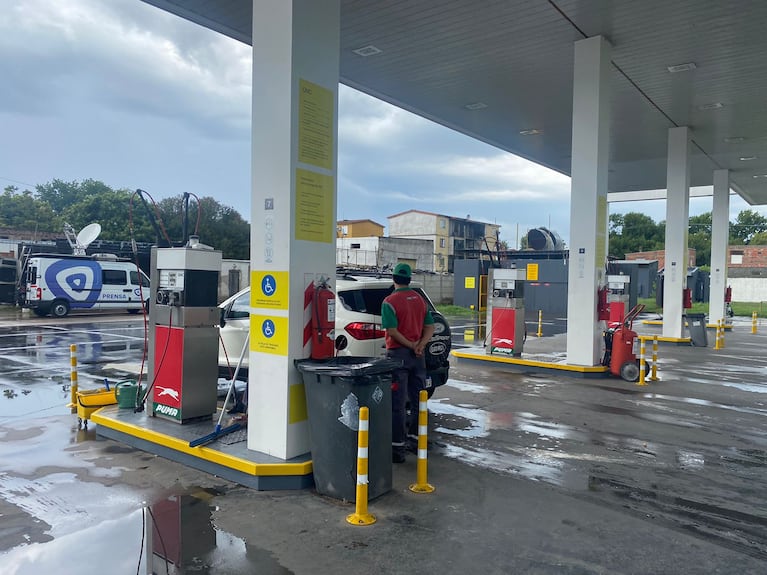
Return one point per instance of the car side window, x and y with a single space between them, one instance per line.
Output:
240 307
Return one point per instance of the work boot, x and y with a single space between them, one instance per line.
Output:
398 456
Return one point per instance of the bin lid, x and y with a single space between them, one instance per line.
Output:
347 366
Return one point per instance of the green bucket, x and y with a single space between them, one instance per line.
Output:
126 393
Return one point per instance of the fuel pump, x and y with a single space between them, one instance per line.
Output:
617 297
184 324
506 311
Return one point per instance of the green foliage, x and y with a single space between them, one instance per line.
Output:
455 310
20 210
122 215
634 232
748 224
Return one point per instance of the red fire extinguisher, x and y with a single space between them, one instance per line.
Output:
323 321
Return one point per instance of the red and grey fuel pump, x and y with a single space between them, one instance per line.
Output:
617 297
184 323
506 311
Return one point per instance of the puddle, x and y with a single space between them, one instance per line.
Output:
174 535
467 386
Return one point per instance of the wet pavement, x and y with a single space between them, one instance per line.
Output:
533 474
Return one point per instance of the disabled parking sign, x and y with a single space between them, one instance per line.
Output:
270 289
269 334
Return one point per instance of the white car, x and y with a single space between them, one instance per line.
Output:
358 329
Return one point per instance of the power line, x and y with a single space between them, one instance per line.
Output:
17 181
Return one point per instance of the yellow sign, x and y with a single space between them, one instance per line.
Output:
269 289
314 207
532 272
315 125
269 334
601 248
469 283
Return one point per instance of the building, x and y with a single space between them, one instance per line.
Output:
453 238
660 257
358 229
382 253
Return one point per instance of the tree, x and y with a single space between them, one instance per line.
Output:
699 238
20 210
747 225
634 232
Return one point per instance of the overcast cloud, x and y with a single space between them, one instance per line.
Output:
125 93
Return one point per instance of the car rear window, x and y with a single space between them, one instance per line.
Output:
369 300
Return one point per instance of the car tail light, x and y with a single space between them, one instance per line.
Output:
359 330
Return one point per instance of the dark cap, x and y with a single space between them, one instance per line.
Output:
402 270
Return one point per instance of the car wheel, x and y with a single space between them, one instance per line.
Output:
59 308
438 349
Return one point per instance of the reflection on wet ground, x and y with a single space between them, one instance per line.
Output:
175 534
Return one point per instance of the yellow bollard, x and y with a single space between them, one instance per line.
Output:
73 378
641 362
540 322
753 322
468 335
654 372
721 336
361 515
422 485
717 339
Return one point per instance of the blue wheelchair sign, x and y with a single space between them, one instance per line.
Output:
268 285
267 328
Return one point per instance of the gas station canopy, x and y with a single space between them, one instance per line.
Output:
502 72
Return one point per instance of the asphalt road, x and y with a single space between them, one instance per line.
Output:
533 473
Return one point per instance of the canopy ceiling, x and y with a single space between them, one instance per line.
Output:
496 70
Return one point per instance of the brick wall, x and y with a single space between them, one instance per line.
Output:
660 255
747 257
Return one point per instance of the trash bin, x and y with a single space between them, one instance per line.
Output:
696 323
335 390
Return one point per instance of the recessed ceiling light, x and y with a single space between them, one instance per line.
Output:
759 176
475 106
734 140
533 132
682 67
747 158
368 50
711 106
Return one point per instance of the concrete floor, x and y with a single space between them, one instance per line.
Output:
533 474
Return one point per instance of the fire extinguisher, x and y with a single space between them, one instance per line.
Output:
323 321
603 308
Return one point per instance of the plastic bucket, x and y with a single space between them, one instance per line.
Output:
126 393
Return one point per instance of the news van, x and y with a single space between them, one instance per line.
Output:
56 284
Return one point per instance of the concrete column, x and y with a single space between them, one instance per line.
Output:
677 225
293 206
720 235
588 198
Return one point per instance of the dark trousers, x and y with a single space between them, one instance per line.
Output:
407 382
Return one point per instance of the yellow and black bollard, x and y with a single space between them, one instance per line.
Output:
361 515
642 362
718 338
721 334
422 485
654 370
753 322
73 378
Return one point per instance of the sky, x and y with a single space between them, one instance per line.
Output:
125 93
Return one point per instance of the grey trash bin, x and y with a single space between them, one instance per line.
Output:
696 323
335 390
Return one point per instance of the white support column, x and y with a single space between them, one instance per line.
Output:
588 198
720 235
293 205
677 224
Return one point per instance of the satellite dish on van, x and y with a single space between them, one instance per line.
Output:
86 235
83 239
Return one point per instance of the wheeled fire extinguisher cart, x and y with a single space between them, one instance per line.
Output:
622 346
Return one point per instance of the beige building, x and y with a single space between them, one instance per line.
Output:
358 229
454 238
